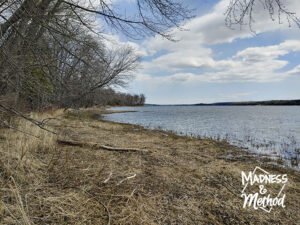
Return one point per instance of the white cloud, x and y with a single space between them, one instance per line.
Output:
192 52
269 52
295 71
260 64
113 42
211 29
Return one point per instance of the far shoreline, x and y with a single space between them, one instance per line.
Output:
295 102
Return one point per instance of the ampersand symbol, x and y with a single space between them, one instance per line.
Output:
262 189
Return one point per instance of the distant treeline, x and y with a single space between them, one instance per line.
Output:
272 102
113 98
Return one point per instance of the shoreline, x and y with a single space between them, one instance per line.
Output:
127 174
284 163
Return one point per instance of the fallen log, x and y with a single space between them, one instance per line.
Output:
98 146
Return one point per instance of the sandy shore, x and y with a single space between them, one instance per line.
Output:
98 172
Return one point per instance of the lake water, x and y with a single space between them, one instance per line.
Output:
272 131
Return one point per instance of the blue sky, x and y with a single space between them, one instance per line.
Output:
212 63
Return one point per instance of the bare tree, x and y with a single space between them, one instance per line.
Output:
242 12
152 16
51 52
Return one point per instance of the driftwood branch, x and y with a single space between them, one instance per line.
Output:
98 146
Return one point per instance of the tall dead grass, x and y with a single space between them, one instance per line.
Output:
21 166
34 174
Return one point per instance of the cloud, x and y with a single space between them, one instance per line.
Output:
210 28
269 52
295 71
193 52
113 41
259 64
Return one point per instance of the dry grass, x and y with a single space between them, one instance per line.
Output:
180 180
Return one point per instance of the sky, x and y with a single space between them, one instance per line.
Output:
213 63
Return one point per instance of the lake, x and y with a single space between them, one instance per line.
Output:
272 131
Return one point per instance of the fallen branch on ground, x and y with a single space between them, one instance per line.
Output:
106 180
99 146
127 178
